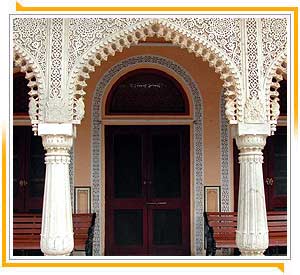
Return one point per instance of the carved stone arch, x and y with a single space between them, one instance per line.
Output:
33 74
276 73
179 36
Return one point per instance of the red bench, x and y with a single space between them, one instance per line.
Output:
220 230
27 230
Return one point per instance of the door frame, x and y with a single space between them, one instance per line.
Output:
195 120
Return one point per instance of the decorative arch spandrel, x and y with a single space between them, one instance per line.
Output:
203 43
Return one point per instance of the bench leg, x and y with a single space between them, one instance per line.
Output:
89 242
211 244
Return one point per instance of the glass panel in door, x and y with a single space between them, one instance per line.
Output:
166 166
127 166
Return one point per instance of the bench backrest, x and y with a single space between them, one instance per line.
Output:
27 227
225 223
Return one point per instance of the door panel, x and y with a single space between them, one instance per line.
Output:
275 170
167 227
28 170
147 197
127 166
166 166
128 227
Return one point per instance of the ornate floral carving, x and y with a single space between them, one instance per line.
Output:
195 43
252 59
56 110
57 103
85 32
98 185
274 40
223 32
32 35
56 57
274 46
254 111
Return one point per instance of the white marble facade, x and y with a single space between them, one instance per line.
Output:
59 54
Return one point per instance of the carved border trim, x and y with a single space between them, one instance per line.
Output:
225 158
33 73
98 186
170 32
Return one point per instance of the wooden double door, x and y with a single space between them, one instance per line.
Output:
147 190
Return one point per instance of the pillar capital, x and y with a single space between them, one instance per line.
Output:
57 144
251 142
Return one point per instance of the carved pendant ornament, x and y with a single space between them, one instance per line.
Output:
33 74
277 73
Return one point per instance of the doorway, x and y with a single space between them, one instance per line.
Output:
147 190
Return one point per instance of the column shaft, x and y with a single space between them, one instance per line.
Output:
252 228
57 226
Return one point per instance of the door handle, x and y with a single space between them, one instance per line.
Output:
269 181
21 183
156 203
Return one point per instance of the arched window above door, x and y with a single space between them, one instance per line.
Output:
147 92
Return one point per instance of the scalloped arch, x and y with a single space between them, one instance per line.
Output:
277 71
170 32
30 67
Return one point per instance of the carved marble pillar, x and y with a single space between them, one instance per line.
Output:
57 226
252 228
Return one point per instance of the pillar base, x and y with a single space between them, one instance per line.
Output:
252 252
57 255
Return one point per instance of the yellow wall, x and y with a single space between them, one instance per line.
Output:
209 85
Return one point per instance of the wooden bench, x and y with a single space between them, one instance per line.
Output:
27 230
220 230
